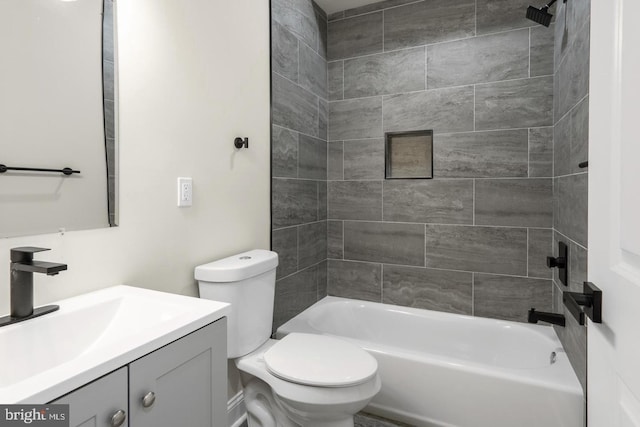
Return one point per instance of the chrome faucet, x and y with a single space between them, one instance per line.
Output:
22 268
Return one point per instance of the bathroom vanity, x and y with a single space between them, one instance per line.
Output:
123 356
174 385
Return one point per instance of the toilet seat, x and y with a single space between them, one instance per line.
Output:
254 365
320 361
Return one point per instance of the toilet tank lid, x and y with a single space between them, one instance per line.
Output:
238 267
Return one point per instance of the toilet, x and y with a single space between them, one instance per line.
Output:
300 380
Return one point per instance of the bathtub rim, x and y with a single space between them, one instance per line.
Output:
559 375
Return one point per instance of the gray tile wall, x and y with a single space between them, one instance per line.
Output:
570 139
508 102
474 239
299 154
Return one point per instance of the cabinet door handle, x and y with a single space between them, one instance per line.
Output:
118 418
149 399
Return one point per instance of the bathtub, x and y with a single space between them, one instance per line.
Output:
440 369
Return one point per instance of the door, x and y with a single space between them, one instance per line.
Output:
183 383
613 359
102 403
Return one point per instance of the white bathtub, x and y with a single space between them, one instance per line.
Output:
441 369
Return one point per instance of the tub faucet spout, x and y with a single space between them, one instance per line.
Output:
543 316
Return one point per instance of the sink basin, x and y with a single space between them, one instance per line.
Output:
91 335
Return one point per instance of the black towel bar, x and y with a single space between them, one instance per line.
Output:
65 171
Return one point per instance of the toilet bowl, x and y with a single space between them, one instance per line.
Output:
302 380
301 397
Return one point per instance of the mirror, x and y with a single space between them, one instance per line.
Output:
58 109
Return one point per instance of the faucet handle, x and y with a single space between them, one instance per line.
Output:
25 253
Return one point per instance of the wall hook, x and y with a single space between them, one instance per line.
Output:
239 142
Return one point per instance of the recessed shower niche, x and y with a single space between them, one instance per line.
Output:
408 155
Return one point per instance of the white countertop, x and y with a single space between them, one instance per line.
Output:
91 335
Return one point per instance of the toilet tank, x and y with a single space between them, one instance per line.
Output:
247 281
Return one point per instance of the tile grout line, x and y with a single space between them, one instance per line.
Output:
382 30
424 235
381 282
473 294
326 63
529 52
298 85
299 271
342 160
474 203
474 108
553 168
305 223
382 120
443 179
571 174
298 58
297 249
342 80
437 133
318 122
413 92
327 143
475 18
298 132
528 252
529 157
297 156
570 109
343 240
426 70
318 201
430 44
518 276
570 239
312 49
513 227
374 11
382 201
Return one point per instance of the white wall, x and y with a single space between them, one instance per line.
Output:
193 75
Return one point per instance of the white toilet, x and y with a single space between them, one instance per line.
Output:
303 379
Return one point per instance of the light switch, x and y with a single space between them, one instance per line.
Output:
185 191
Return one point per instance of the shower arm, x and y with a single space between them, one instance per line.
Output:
548 5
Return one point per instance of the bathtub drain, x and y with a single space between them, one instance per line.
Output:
552 357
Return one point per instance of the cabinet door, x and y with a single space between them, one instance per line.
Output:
97 404
183 383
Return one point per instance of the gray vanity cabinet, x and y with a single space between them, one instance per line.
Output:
99 404
181 384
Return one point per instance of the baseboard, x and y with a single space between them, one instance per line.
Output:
236 411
